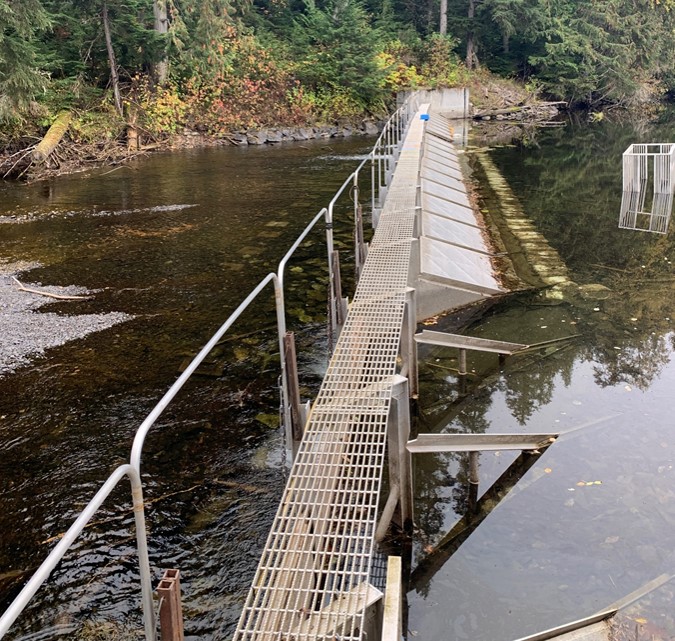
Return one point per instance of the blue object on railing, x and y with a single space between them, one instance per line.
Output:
424 116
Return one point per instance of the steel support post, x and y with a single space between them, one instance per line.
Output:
332 308
359 245
474 480
291 363
408 343
387 154
170 607
398 434
372 186
462 362
415 260
338 302
143 555
285 395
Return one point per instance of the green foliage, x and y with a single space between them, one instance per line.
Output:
609 50
251 63
337 47
442 67
397 62
20 78
95 125
75 45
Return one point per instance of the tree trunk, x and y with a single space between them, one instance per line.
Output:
470 45
443 29
114 77
52 137
161 68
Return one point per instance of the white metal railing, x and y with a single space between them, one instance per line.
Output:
383 159
648 169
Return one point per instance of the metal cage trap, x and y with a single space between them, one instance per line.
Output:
648 179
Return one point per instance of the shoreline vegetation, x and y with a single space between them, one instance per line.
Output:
63 149
99 82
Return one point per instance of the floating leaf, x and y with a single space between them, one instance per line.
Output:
640 620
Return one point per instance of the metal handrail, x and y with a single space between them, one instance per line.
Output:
52 560
132 470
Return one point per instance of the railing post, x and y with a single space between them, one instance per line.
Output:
372 189
285 394
339 302
143 555
296 414
359 244
170 608
332 310
358 227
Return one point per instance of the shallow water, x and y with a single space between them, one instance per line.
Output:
592 519
177 241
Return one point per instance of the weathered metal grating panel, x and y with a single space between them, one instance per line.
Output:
648 187
312 580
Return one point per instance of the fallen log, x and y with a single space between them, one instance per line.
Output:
52 138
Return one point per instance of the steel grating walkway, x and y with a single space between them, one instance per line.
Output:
312 581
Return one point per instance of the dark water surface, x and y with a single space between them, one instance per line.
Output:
177 240
592 519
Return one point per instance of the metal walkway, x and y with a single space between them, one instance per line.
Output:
313 578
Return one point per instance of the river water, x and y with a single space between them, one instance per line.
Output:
178 240
592 519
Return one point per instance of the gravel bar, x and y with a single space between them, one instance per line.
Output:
26 333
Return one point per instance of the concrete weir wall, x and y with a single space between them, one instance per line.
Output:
451 103
454 265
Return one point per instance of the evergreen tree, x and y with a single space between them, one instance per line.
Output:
76 44
608 50
20 78
336 47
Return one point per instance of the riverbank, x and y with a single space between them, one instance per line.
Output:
74 155
98 137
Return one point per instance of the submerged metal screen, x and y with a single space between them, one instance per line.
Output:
648 186
313 578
